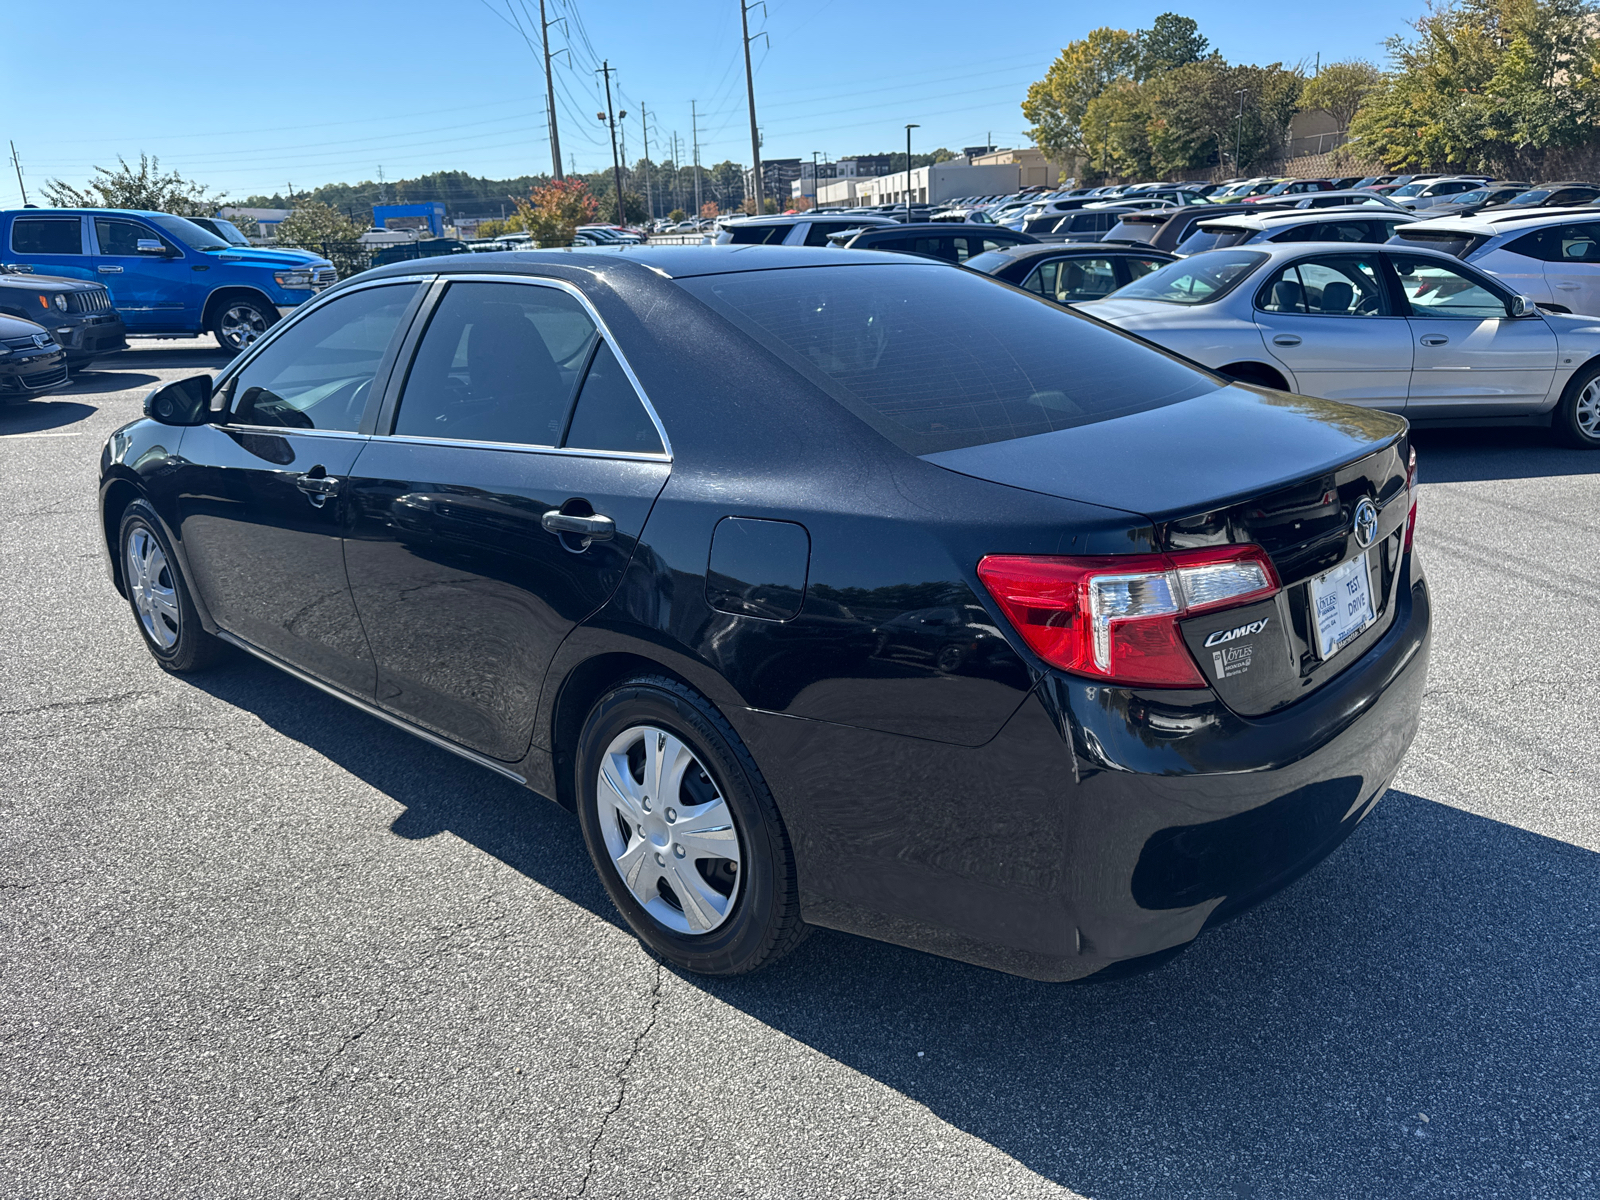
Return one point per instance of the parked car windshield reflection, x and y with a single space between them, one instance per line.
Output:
1197 280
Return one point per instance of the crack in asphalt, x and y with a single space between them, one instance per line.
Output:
622 1080
351 1039
67 705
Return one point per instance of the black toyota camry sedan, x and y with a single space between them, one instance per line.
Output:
825 587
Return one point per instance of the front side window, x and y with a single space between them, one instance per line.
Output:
122 238
1069 280
757 235
1436 289
1197 280
1138 268
317 374
1329 287
499 363
937 360
950 249
47 235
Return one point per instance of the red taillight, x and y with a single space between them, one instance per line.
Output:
1411 496
1115 617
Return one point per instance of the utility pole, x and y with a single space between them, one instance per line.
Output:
694 133
17 163
750 89
816 181
909 128
677 173
610 119
550 93
1238 135
644 126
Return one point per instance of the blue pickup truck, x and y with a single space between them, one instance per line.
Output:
167 276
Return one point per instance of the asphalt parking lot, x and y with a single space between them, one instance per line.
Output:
254 943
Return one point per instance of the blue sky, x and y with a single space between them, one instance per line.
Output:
306 93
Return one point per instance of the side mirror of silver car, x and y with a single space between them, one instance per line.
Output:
1523 306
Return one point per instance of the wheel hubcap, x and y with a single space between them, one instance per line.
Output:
241 325
1587 413
668 830
152 588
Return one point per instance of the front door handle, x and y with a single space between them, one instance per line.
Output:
317 487
19 268
1435 339
1286 339
1568 287
594 529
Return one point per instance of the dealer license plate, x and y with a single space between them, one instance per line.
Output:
1341 603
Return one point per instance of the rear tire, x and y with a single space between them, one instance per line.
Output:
1576 421
724 899
159 595
240 323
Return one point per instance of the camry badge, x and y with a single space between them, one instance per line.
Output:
1238 631
1366 523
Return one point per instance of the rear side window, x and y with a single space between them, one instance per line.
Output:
498 363
1329 287
609 415
1561 243
938 360
47 235
757 235
1070 280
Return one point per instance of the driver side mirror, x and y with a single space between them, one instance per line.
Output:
1522 306
150 246
181 402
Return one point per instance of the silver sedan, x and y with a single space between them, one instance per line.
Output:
1412 331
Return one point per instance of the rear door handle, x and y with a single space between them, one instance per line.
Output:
1568 287
109 270
1435 339
595 528
317 487
19 268
1286 339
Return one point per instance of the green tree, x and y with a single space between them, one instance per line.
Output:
727 184
1197 119
1116 128
1170 42
245 225
147 189
1495 85
311 224
677 214
1055 105
1339 88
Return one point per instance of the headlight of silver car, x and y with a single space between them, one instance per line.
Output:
296 279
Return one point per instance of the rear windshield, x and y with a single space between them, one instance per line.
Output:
936 359
1197 280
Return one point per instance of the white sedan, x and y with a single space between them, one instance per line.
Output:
1416 332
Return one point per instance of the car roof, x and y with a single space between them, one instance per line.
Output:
83 212
669 262
943 227
1081 249
1277 251
1305 216
1495 222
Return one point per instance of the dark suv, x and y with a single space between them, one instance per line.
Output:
78 313
938 239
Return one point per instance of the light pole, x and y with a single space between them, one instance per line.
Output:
610 119
909 128
1238 133
816 180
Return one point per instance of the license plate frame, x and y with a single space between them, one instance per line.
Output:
1336 599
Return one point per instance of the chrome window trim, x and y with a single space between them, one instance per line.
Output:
288 430
606 335
318 299
524 448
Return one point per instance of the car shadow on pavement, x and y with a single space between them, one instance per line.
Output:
1418 1015
159 357
1464 455
36 416
99 380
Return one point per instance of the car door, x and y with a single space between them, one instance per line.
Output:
150 284
495 512
1472 357
1572 266
260 495
1330 319
49 245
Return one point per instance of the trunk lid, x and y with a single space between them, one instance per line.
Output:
1241 465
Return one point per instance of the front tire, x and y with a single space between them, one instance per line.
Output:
684 832
240 323
1577 417
159 596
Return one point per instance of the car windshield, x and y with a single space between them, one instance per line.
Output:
187 232
1197 280
1477 197
989 260
1531 197
1410 189
936 359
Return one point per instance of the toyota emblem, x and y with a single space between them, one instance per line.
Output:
1366 523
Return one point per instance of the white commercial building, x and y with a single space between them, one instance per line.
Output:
928 185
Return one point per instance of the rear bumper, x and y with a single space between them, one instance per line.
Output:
1103 828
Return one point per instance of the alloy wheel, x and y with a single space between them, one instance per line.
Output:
1586 413
241 325
668 830
152 588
